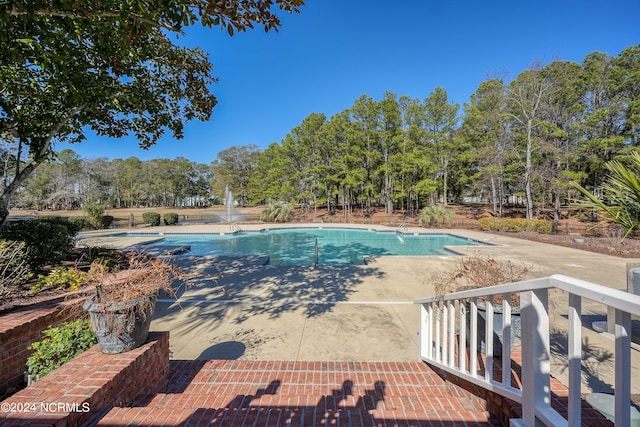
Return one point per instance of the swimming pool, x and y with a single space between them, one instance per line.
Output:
335 246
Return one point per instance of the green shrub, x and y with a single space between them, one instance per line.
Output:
544 226
93 210
277 212
59 345
95 216
436 215
102 222
79 222
108 257
587 216
48 239
151 218
62 277
14 265
489 223
170 218
515 225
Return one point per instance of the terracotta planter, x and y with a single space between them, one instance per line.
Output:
121 326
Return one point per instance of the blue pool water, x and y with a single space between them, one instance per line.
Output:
335 246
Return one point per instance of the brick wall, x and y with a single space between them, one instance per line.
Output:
19 329
506 409
90 385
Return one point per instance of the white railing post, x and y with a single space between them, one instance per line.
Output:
452 334
438 313
430 331
622 387
574 358
445 331
425 334
462 346
536 390
473 337
488 339
506 340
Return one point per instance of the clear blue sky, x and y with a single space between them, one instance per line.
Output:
336 50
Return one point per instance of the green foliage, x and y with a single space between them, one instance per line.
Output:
61 277
48 239
107 257
14 265
277 212
79 222
621 194
435 216
516 225
102 222
543 226
93 210
587 216
233 168
96 217
111 67
59 345
170 218
151 218
399 152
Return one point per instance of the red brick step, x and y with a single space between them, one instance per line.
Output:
281 393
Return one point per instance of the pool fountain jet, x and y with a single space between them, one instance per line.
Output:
228 196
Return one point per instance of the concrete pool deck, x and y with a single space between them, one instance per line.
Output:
353 313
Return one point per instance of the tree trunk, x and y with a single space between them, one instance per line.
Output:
528 171
17 181
388 209
500 197
494 196
445 175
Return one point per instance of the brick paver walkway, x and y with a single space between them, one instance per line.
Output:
273 393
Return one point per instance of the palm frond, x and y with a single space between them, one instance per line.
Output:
621 194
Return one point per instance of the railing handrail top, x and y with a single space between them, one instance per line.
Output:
615 298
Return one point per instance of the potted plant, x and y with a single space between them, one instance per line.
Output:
125 297
477 271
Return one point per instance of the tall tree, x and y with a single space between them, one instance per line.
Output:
350 171
559 131
365 115
603 120
301 149
441 118
232 169
526 94
627 66
271 177
485 127
110 66
66 177
391 135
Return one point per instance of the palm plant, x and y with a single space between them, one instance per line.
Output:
433 216
277 212
621 194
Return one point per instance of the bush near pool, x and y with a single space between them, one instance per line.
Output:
516 225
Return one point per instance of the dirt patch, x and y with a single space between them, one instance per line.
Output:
21 296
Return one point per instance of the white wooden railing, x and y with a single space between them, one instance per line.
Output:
443 332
